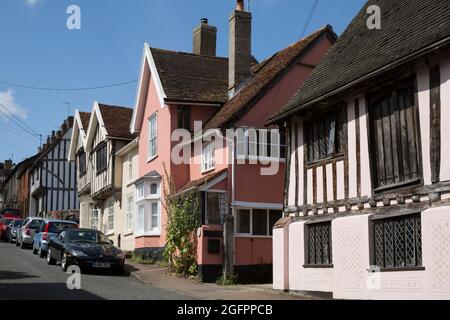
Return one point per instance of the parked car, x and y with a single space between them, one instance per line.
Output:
4 228
6 216
87 249
49 229
14 228
25 236
11 213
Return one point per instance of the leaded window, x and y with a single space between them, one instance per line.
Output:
324 136
394 135
319 244
398 242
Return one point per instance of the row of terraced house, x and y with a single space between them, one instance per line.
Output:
359 203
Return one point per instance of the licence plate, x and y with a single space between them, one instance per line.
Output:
102 265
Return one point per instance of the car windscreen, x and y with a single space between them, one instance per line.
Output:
86 236
35 224
17 223
58 227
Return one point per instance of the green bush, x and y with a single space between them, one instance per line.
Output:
141 259
181 241
227 279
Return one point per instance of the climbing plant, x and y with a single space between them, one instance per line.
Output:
183 218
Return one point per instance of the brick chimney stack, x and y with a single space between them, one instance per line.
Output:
240 47
8 164
204 39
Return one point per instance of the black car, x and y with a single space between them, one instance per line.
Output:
87 249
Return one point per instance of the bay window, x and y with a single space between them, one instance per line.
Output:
148 208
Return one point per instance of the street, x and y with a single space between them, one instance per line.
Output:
24 276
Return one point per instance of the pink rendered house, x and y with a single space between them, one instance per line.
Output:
177 89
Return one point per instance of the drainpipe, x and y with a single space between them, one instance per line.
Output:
228 223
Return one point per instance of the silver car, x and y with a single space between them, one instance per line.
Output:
26 233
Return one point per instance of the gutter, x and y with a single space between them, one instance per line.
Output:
353 83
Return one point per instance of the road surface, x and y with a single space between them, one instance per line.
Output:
25 276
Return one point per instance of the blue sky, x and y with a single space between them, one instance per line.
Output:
37 49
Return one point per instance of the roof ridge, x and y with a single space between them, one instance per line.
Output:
189 54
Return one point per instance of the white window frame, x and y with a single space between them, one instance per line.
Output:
130 168
93 218
248 149
130 210
145 199
152 146
110 218
251 235
208 157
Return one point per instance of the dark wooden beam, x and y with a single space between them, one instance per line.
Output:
435 122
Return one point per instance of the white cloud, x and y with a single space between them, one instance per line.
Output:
7 100
31 3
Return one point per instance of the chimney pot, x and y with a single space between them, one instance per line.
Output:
204 20
240 5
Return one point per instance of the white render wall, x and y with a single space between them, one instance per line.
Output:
300 278
349 278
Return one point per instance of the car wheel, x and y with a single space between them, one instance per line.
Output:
41 253
64 262
50 260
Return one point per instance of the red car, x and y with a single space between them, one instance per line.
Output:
8 216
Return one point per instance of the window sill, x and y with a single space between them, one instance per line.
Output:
390 188
399 269
318 266
150 234
243 235
335 158
129 233
208 171
152 158
100 171
261 159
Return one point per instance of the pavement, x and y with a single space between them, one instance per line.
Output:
24 276
157 276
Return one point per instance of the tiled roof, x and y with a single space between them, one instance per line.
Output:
406 27
117 121
264 74
85 117
204 180
192 78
